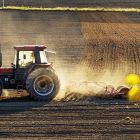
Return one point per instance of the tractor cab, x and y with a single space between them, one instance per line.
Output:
28 55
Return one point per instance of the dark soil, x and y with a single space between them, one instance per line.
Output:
74 3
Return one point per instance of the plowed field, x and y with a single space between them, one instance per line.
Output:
101 42
99 119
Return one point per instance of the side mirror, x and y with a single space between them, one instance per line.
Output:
13 65
24 56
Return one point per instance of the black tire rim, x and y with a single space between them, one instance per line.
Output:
43 85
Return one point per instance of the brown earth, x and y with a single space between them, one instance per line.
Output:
92 39
89 45
99 119
112 42
74 3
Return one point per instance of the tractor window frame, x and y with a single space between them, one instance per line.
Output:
25 63
43 57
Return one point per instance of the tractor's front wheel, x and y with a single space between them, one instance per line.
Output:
43 84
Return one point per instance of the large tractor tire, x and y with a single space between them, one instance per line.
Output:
43 84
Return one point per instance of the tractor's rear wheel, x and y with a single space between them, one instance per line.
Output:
43 84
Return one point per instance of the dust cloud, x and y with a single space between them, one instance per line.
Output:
84 82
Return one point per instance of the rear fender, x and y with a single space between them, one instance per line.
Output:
36 66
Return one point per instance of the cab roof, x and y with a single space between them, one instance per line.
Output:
30 47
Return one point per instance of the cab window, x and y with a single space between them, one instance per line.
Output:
26 58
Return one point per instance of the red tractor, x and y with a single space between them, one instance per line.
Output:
32 72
